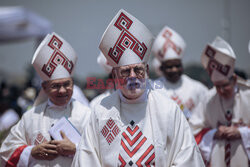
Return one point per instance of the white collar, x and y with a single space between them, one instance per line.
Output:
140 99
52 105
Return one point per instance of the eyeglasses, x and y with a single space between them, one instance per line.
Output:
139 72
57 86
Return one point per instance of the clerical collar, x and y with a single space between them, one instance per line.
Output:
52 105
140 99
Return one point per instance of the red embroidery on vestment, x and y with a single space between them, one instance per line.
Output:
40 139
133 140
110 130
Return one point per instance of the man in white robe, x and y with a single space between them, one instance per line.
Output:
221 122
135 125
29 142
168 49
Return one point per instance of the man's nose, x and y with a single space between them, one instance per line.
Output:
132 73
62 89
174 69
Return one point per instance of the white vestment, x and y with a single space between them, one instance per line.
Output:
211 113
79 96
187 92
168 138
98 98
33 128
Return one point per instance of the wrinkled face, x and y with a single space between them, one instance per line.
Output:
131 79
172 69
225 88
59 91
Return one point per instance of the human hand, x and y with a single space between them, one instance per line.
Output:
44 151
220 133
232 133
64 147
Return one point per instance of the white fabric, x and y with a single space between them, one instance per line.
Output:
218 59
173 142
156 66
187 92
54 58
98 98
33 129
79 96
128 114
245 135
24 157
8 119
206 145
140 99
168 45
132 47
102 61
211 112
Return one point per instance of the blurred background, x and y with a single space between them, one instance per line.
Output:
24 23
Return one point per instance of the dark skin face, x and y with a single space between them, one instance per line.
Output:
172 69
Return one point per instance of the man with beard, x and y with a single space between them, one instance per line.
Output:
134 126
29 143
221 122
169 48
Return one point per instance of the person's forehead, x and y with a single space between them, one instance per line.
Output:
61 80
132 66
222 82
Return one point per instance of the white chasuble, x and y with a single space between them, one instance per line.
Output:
33 128
209 115
187 92
153 132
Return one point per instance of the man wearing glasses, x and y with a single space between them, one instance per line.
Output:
29 142
135 125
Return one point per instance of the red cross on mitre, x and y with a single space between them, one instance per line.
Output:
213 64
126 40
56 58
167 34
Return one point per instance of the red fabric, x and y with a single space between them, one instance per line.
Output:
200 135
12 162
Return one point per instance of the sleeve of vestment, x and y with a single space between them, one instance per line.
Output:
13 145
186 151
245 136
87 153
